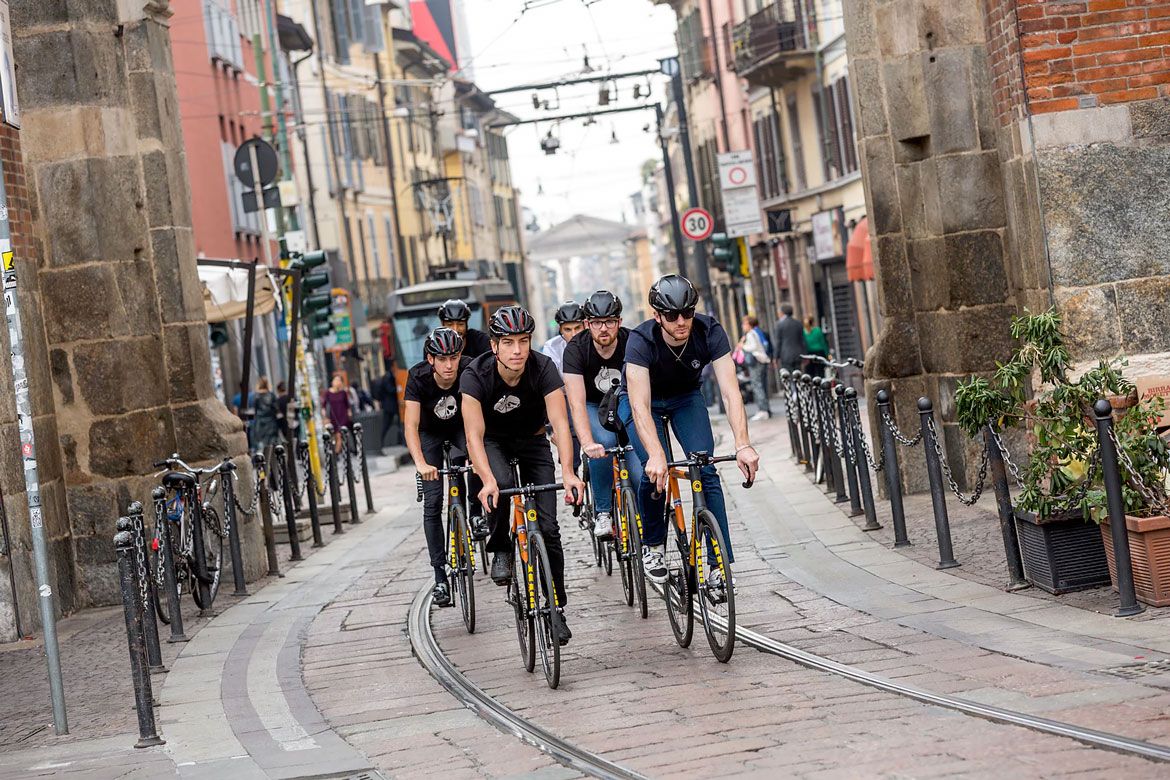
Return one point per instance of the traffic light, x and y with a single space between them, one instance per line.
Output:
217 332
316 295
725 252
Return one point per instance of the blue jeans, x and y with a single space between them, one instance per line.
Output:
600 471
692 427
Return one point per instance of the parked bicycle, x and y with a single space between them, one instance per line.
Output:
196 534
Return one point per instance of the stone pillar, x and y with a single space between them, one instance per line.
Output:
929 154
121 299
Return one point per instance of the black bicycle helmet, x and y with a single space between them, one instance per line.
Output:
673 293
454 310
570 311
443 341
602 304
511 321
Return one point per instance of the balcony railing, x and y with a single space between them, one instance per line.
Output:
768 34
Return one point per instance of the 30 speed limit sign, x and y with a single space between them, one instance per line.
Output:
697 224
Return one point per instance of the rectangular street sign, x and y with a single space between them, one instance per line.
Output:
342 320
736 169
741 201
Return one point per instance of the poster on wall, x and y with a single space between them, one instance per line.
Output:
7 70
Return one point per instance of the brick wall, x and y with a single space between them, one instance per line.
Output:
1077 54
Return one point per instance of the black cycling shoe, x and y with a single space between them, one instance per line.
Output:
501 568
479 528
564 635
441 594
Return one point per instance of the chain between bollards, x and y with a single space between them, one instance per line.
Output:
311 496
861 464
1003 505
938 496
227 474
279 456
261 476
892 471
167 557
360 443
804 398
132 608
347 444
786 382
142 559
850 453
1117 526
334 487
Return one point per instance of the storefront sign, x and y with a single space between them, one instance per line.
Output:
342 317
826 236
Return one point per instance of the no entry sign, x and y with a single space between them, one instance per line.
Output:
697 224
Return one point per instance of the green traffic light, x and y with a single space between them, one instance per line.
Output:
315 281
316 302
313 259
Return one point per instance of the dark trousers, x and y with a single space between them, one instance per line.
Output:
433 490
536 467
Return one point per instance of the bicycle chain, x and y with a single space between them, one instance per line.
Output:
981 482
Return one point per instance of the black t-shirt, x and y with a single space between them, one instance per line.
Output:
441 412
581 357
676 370
512 411
476 343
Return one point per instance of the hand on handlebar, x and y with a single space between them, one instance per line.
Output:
748 461
489 495
657 472
593 450
574 489
428 472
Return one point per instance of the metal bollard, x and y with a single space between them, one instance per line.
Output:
334 487
132 608
823 436
227 472
311 497
849 448
1003 503
861 465
349 483
938 495
808 420
290 512
361 450
893 473
158 495
266 515
793 436
142 558
832 415
1117 528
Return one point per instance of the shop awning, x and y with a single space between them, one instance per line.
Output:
225 292
858 255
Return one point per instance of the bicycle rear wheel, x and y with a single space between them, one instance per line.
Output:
518 595
548 618
158 581
607 551
464 572
678 592
717 604
637 569
213 536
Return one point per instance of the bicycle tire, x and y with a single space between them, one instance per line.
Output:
608 546
679 592
519 598
719 628
547 620
464 574
637 567
483 557
162 600
213 536
621 543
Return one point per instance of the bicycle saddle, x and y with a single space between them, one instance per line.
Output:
177 479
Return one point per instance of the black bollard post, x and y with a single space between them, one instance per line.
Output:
1003 503
346 443
1117 528
808 423
849 448
266 514
132 608
832 405
793 436
861 462
360 445
142 559
311 497
227 475
824 434
170 582
938 495
334 487
893 473
290 513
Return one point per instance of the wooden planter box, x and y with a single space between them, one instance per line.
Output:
1149 548
1063 553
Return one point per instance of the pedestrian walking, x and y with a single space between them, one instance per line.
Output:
265 426
286 423
814 339
788 339
757 359
385 391
337 405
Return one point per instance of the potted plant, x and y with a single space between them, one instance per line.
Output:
1062 484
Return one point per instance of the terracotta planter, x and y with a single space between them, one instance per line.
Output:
1149 549
1063 553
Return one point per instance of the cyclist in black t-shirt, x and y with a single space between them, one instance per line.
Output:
593 361
665 357
508 397
454 314
432 416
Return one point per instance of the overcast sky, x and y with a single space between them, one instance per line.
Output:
510 46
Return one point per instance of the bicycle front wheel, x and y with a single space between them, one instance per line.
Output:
548 618
623 544
518 596
213 536
637 568
716 594
483 556
678 592
464 567
158 582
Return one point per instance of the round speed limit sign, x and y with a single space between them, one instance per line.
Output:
697 224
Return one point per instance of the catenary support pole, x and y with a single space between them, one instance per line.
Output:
32 483
668 170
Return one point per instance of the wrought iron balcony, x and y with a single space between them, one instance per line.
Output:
774 44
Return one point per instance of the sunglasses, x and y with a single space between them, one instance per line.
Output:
672 316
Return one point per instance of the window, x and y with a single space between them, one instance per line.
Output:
770 157
693 47
340 30
374 245
223 34
798 171
251 18
846 143
391 264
